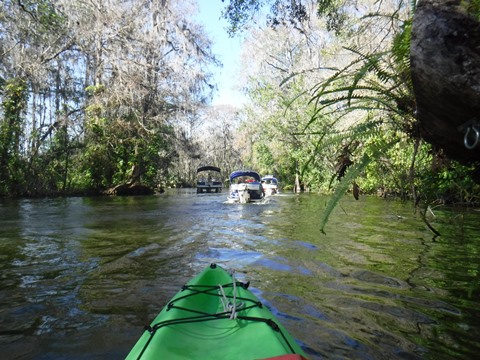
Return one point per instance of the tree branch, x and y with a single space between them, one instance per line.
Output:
27 11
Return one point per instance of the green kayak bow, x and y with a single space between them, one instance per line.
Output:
214 316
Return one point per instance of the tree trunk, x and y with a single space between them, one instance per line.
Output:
129 190
445 62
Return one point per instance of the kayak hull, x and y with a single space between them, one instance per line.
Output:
214 317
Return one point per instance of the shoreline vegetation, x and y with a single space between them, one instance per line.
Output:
121 105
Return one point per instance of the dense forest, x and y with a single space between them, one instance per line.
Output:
99 94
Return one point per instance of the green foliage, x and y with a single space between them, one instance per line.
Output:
116 151
401 48
281 147
370 82
74 137
375 90
239 13
449 182
96 166
95 89
335 14
44 12
358 124
264 156
390 172
473 7
15 96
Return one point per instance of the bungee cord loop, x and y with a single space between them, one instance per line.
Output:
229 306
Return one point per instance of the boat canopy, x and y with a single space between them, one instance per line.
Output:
271 178
208 168
239 173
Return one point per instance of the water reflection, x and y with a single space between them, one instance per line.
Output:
81 276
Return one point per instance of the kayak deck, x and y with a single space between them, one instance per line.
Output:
214 317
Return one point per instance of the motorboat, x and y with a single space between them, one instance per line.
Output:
270 184
208 179
245 186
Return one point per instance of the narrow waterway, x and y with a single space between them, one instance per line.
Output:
80 277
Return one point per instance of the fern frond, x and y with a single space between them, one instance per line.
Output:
386 103
353 172
342 188
372 63
359 132
328 140
318 89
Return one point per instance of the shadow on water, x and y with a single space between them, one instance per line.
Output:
81 276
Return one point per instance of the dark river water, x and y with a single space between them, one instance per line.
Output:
80 277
